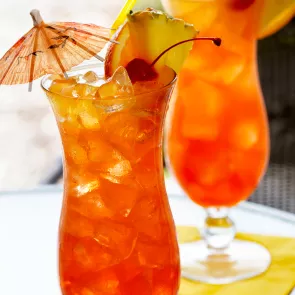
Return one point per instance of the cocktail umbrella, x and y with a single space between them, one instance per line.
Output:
51 48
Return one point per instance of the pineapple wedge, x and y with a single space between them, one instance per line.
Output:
145 35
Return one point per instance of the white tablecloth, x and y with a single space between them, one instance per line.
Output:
28 234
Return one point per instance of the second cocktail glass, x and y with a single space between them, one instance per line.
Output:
218 144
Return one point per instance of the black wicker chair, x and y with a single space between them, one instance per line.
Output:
276 57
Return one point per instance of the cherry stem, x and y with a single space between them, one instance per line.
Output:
216 41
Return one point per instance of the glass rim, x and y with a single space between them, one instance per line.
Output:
88 65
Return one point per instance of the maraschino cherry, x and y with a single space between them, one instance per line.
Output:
140 70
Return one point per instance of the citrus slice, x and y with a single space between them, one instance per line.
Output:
275 15
145 35
129 4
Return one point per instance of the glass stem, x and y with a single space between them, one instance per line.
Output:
219 230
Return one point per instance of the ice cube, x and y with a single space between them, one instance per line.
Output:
88 114
56 77
110 163
116 93
111 104
118 180
123 82
147 211
153 254
145 166
122 126
62 107
130 133
243 162
235 64
90 121
128 268
77 225
209 102
207 163
108 89
117 169
70 128
91 205
120 169
245 83
119 198
92 256
244 135
201 129
141 284
85 192
85 188
99 239
223 67
84 91
75 152
85 291
118 85
77 113
62 86
66 90
68 265
201 116
66 111
111 234
90 77
99 150
101 282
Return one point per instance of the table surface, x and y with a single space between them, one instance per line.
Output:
29 223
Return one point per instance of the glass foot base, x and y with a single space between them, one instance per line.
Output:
242 260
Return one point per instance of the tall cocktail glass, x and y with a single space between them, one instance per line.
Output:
218 143
116 233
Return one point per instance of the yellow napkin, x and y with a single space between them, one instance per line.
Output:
279 279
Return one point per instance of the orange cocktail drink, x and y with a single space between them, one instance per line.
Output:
218 144
116 233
